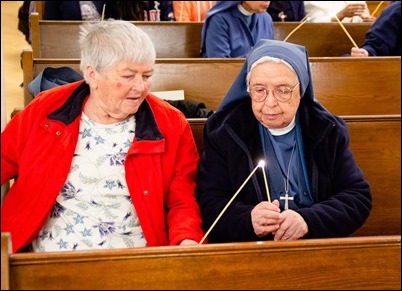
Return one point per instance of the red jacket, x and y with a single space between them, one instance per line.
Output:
37 148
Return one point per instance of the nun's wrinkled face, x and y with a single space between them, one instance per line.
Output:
275 94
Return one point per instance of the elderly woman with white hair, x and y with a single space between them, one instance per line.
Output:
310 185
101 163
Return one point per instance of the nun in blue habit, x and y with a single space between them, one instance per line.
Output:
232 28
310 185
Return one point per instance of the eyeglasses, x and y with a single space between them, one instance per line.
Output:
282 93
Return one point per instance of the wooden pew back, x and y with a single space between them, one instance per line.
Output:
323 39
343 263
344 85
376 144
59 39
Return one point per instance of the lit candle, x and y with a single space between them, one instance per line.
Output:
262 165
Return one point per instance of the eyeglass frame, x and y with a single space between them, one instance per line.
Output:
273 93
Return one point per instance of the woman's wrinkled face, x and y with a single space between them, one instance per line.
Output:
120 90
271 112
256 6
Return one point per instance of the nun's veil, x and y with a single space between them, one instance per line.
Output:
295 55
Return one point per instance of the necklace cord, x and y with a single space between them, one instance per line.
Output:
288 174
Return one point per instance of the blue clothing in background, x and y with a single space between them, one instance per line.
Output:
384 36
70 10
227 34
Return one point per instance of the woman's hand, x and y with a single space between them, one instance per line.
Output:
358 52
351 10
188 242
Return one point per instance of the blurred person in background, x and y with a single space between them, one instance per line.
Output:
286 10
191 10
384 36
345 11
232 28
95 10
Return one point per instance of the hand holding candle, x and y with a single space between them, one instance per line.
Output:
260 164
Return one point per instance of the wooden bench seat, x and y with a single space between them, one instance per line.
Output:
59 39
344 85
355 263
376 144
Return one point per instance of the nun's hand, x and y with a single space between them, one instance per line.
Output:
292 227
266 218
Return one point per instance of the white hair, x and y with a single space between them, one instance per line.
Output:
106 43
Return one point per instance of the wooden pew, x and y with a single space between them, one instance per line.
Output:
376 144
323 39
59 39
356 263
5 260
344 85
